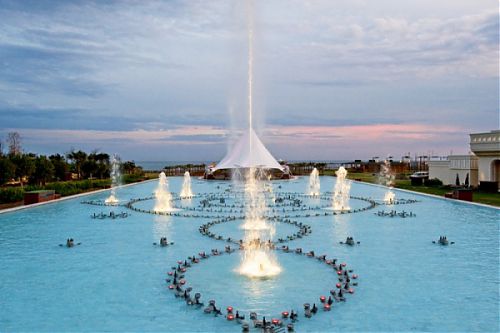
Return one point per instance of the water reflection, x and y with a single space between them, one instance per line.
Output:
162 227
258 292
341 227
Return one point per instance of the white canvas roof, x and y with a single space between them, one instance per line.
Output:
248 152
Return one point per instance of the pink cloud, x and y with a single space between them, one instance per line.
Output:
363 132
287 142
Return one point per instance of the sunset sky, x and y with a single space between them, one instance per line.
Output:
166 80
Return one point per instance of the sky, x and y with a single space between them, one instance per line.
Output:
167 80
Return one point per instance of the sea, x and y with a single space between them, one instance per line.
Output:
160 165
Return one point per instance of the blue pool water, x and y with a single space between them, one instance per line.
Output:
115 280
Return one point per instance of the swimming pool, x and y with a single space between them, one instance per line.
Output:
115 280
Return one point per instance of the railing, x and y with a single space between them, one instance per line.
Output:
485 142
492 137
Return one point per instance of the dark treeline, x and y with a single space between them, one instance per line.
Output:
20 168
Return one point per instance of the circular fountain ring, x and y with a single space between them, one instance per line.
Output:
397 202
103 203
289 204
343 280
303 230
208 209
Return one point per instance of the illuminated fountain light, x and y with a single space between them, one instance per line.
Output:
389 197
314 183
186 191
259 263
341 191
258 260
386 178
255 206
163 196
115 181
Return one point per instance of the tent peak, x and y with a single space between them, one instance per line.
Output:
248 152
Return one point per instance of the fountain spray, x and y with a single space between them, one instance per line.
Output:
186 191
115 180
257 261
314 183
341 191
386 178
163 196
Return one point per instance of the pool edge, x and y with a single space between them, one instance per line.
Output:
431 195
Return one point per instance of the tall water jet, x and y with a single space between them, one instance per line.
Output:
258 261
163 196
186 191
314 184
255 205
115 180
386 178
250 67
341 191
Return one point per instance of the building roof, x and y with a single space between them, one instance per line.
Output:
485 144
248 152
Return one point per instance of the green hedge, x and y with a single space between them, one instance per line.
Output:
11 194
433 182
14 194
75 187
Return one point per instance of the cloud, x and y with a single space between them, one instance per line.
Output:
331 83
291 142
32 116
149 72
184 134
364 141
365 133
388 48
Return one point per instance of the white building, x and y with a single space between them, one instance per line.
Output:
483 166
447 170
486 146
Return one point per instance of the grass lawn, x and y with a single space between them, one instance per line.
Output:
479 197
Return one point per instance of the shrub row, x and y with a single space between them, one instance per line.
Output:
11 194
14 194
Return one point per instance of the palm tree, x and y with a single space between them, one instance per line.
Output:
78 157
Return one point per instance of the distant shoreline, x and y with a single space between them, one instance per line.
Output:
160 165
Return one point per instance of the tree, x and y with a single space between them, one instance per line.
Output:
89 168
457 180
14 142
61 167
7 170
466 183
44 170
25 166
1 147
129 167
78 157
101 166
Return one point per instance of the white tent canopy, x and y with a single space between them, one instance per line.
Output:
248 152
